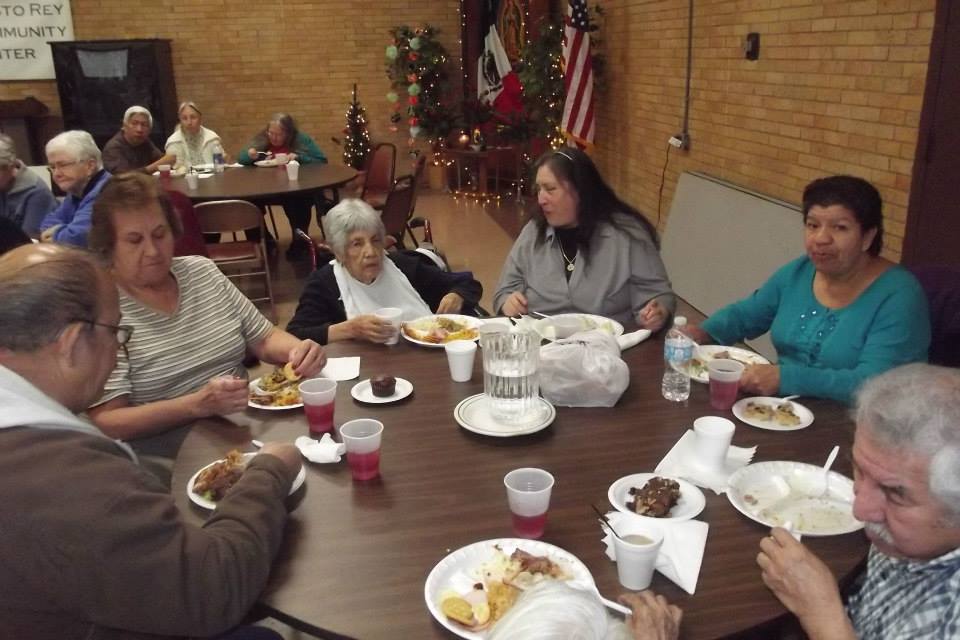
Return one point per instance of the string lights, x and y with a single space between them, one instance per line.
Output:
356 137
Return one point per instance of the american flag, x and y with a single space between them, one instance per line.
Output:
578 121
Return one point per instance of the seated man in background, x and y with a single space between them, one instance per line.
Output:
77 167
24 197
131 149
91 545
906 465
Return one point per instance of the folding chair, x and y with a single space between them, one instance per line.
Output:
239 258
381 165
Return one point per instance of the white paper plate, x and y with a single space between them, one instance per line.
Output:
756 492
587 321
255 385
470 321
209 504
458 568
805 415
690 504
473 415
362 392
707 352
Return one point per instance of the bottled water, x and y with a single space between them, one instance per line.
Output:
677 353
217 158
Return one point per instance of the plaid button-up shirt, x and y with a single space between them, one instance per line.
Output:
901 599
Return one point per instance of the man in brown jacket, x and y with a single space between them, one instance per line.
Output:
91 546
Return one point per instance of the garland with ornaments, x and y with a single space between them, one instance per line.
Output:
417 68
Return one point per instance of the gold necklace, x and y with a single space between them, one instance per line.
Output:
570 263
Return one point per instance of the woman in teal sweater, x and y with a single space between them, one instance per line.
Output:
837 316
281 136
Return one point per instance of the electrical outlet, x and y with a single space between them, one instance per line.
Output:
680 141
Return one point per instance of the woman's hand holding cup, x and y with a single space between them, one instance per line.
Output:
372 328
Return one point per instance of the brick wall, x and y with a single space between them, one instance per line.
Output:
838 89
240 62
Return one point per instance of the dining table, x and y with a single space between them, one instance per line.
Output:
263 183
356 555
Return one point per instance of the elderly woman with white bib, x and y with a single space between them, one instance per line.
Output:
340 298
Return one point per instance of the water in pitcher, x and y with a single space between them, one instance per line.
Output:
510 377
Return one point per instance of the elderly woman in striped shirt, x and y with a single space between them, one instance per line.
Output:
191 326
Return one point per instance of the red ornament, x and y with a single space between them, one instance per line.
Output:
412 77
412 100
413 55
413 122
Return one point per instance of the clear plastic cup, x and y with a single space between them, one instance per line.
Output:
724 378
362 439
528 494
319 396
164 170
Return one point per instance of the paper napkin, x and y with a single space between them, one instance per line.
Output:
323 451
633 338
681 462
341 368
680 555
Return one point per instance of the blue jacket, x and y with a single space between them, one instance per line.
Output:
27 201
74 214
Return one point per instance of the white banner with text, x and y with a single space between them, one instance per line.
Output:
25 30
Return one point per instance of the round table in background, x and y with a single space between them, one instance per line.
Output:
356 555
263 183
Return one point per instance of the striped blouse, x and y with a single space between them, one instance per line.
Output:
207 336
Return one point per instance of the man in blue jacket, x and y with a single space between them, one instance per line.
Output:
77 168
24 197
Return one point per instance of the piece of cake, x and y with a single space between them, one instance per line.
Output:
655 498
383 386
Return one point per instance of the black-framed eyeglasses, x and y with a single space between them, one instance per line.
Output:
122 331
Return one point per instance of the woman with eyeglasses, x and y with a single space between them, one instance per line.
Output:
585 251
191 327
282 141
77 168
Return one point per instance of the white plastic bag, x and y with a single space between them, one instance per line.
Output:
584 370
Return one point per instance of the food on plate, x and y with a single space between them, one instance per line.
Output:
439 330
786 416
383 386
499 583
697 368
277 388
216 480
655 498
783 413
759 411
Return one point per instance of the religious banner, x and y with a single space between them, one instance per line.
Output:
25 30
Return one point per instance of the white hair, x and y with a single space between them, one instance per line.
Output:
8 152
916 408
348 217
79 145
556 611
134 110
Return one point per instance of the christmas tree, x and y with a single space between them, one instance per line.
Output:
356 143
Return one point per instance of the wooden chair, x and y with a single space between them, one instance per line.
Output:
381 165
238 258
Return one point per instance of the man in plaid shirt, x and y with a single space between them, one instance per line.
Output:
906 460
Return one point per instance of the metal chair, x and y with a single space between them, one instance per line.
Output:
396 210
380 165
319 251
238 258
